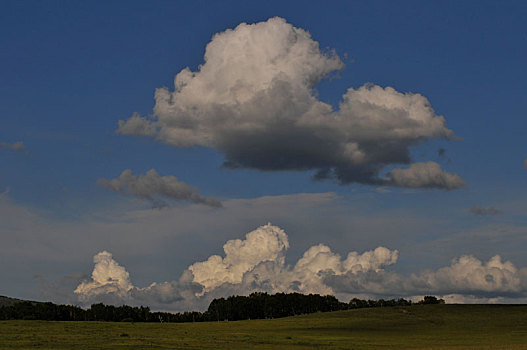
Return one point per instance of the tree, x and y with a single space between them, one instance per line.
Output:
430 299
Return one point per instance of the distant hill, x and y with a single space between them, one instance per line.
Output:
7 301
234 308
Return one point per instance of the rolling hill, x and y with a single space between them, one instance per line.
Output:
413 327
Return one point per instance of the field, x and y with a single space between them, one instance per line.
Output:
414 327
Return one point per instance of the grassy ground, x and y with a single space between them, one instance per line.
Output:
415 327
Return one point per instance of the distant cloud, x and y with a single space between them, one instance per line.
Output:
477 210
257 263
151 186
107 277
253 99
265 244
143 240
16 146
136 125
468 275
426 175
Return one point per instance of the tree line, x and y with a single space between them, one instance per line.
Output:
254 306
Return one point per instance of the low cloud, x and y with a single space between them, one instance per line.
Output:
477 210
266 244
425 175
108 277
158 245
136 125
16 146
257 263
254 100
151 186
466 276
469 275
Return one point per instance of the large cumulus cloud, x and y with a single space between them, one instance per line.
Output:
257 263
266 244
253 99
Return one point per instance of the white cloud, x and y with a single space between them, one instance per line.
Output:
253 99
267 243
254 264
108 277
467 277
257 263
151 185
468 274
157 245
110 283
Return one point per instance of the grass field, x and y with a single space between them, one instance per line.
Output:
415 327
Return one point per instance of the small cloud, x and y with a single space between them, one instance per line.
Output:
382 190
137 126
424 175
477 210
151 186
17 146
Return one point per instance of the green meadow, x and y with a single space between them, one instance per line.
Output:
412 327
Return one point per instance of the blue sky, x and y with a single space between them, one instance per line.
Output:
71 70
